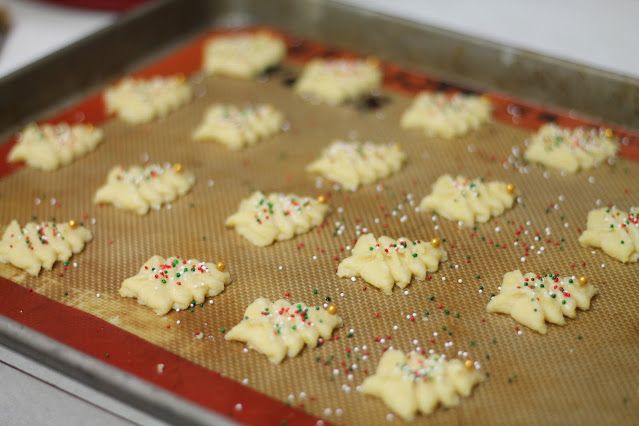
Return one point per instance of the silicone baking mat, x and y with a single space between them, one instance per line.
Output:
584 372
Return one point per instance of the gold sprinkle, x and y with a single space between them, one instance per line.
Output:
608 132
373 61
177 167
583 280
73 224
435 242
469 364
510 188
321 199
332 309
220 266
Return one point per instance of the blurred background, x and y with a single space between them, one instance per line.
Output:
603 34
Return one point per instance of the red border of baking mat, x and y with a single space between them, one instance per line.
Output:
123 350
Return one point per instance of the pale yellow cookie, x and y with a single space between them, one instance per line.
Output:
175 283
352 164
334 81
236 127
138 101
281 329
50 146
413 383
446 116
468 201
571 150
614 231
385 262
141 188
243 55
38 246
533 299
263 219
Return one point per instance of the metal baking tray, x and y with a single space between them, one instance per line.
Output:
72 73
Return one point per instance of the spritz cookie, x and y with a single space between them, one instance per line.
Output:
614 231
468 201
243 55
571 150
281 329
50 146
263 219
140 188
38 246
352 164
175 283
236 127
386 262
137 100
334 81
446 116
414 383
533 299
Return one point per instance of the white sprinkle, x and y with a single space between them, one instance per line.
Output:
97 295
353 279
335 372
37 201
328 411
314 257
238 407
245 381
591 179
460 281
395 327
159 368
390 417
210 183
405 292
279 268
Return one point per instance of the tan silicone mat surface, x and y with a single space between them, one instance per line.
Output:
584 372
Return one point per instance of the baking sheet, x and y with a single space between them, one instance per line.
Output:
585 372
